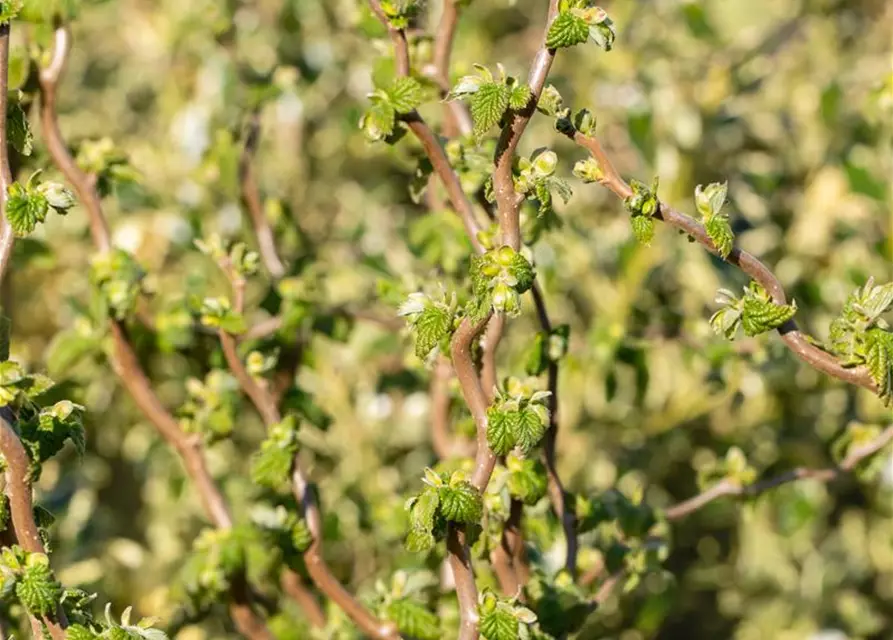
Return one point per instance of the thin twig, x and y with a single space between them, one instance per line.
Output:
458 119
7 237
446 445
124 360
429 141
729 488
319 571
250 190
795 340
557 495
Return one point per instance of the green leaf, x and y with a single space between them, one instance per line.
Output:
301 536
500 435
418 541
488 104
79 632
520 97
19 130
423 509
527 480
759 315
879 358
567 30
528 428
405 94
461 503
432 324
24 209
66 349
37 589
720 233
499 624
643 229
523 272
537 356
413 619
9 9
378 122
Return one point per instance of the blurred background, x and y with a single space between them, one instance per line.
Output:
789 100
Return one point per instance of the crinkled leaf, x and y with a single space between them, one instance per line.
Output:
879 358
528 482
519 97
499 624
378 122
759 316
528 428
567 30
432 324
461 503
720 231
413 619
423 509
488 104
500 435
405 94
643 229
418 541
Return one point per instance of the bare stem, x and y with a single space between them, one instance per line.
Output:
266 243
729 488
7 237
458 118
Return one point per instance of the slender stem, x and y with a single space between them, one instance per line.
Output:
293 585
319 571
124 360
457 119
507 202
557 495
250 190
7 237
729 488
790 334
430 143
463 576
446 444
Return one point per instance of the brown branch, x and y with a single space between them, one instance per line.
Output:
124 361
7 237
446 445
463 576
250 191
84 185
795 340
18 492
430 143
727 487
265 404
293 585
507 202
557 495
458 119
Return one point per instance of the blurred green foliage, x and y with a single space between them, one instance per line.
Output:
790 101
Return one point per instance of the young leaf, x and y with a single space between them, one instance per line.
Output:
431 326
527 480
405 94
499 624
500 436
413 619
879 358
720 233
418 541
759 315
519 97
423 509
528 428
461 503
567 30
488 104
37 589
19 130
643 229
378 122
